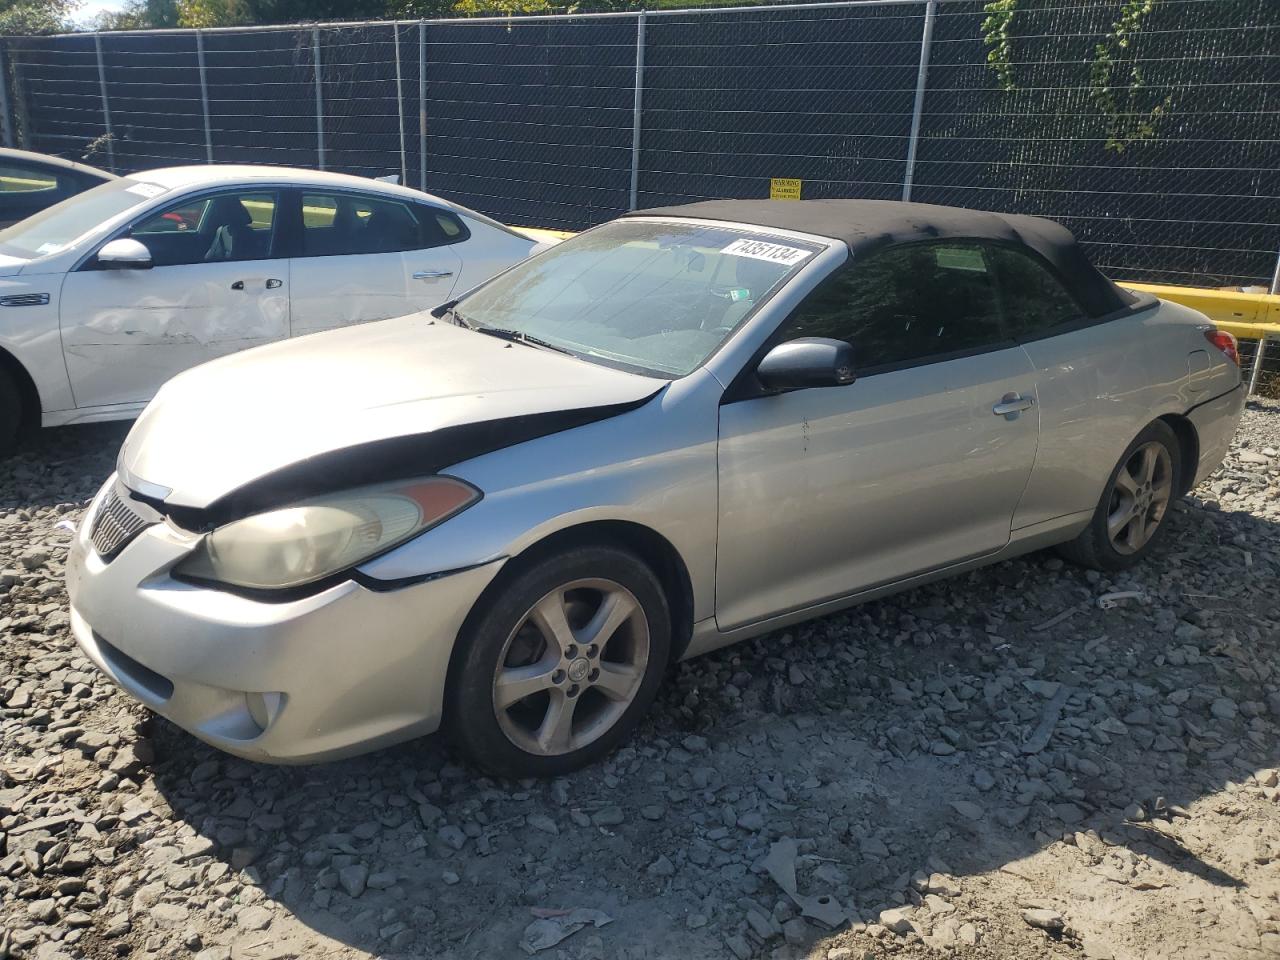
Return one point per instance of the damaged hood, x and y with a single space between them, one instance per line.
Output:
361 404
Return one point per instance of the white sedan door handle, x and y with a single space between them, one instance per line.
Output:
1011 405
432 274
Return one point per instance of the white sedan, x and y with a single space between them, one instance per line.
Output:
107 295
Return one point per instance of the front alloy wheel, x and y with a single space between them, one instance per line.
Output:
572 667
561 659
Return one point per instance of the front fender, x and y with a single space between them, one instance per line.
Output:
29 334
654 466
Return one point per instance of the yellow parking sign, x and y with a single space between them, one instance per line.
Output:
784 188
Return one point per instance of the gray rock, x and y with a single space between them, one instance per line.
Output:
452 836
542 822
1043 919
609 816
253 918
1223 709
662 867
353 879
897 920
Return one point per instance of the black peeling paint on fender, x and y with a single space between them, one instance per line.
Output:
385 460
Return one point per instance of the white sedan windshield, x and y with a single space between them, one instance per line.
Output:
653 297
56 228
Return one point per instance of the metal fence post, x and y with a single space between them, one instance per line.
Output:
636 110
404 168
917 111
204 98
1260 357
106 106
5 117
422 105
315 51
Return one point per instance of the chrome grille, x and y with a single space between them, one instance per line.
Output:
118 521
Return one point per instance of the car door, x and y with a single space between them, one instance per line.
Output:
915 465
363 257
1099 381
215 286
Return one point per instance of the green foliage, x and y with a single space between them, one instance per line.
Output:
995 33
1116 83
213 13
1115 80
34 16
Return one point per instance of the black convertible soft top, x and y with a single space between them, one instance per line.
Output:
868 225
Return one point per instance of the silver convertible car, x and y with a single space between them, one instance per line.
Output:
680 429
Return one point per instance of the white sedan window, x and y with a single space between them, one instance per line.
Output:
61 225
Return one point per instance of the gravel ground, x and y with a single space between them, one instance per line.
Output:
992 766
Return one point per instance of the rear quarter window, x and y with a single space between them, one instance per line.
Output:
1034 301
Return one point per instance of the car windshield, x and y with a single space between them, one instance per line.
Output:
56 228
653 297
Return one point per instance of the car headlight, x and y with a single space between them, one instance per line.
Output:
317 538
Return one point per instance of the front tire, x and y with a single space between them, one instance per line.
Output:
1130 519
562 665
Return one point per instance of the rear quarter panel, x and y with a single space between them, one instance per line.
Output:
1098 387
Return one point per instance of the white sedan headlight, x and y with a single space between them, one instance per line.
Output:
317 538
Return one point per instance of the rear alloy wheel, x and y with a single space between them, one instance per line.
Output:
563 665
1131 515
1140 497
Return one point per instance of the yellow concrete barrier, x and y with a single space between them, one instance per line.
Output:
1248 315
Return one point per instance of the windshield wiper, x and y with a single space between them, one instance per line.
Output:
448 311
516 336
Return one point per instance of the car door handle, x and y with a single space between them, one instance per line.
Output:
274 284
1011 405
432 274
238 285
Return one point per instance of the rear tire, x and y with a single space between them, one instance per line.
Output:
562 665
11 413
1132 516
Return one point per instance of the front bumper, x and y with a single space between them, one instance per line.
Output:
343 671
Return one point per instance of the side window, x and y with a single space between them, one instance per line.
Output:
15 178
231 226
1034 301
905 304
340 224
442 227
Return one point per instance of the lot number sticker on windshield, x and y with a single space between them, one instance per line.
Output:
147 190
773 252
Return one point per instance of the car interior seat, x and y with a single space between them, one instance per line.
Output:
234 238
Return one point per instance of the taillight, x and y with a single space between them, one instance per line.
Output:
1224 342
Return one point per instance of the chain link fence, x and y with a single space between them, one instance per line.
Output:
1155 136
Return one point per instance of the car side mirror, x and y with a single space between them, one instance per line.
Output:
124 254
807 362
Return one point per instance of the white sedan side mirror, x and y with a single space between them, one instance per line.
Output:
125 254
